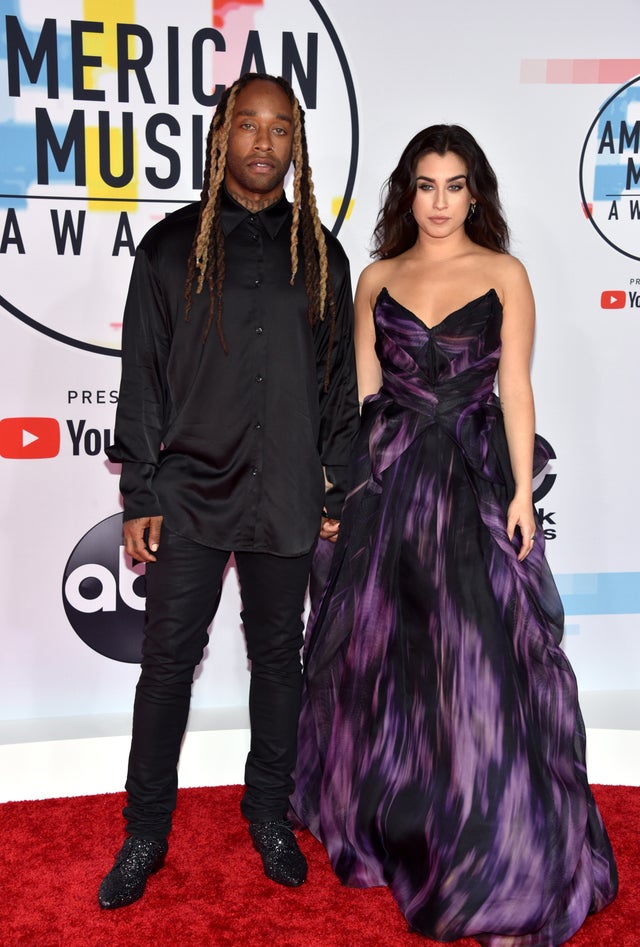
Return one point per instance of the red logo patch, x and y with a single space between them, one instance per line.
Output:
613 299
29 438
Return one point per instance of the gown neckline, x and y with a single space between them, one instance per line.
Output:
384 291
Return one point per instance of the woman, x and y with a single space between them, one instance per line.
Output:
441 746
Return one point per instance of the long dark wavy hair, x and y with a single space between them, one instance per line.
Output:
207 262
396 229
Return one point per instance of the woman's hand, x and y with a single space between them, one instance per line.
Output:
520 514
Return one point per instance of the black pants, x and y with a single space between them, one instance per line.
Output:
183 592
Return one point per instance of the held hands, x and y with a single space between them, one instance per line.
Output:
136 544
520 513
329 529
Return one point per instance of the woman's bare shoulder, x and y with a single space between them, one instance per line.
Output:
506 273
373 278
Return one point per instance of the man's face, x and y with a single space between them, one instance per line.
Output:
260 142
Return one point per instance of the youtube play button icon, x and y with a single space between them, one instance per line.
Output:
29 438
613 299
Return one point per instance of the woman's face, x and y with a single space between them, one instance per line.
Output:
442 199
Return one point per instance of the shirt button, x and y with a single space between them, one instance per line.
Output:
258 378
254 236
258 330
258 426
257 282
254 472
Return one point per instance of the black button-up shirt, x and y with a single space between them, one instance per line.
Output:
230 448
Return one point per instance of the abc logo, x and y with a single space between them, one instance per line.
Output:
103 595
543 486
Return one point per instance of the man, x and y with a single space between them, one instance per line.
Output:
236 412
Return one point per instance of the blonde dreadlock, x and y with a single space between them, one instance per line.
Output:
206 260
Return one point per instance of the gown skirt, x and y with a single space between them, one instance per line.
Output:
441 745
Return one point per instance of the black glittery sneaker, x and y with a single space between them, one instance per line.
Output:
135 862
282 860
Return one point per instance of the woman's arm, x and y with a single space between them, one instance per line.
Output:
516 397
367 364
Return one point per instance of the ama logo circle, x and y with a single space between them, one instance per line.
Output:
97 148
104 595
610 171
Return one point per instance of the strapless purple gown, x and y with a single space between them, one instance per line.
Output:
441 745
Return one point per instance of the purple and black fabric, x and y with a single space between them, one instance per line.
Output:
441 745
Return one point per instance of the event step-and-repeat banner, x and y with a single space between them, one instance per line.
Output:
104 110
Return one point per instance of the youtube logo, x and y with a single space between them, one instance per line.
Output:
29 438
613 299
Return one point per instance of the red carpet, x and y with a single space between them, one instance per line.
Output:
212 892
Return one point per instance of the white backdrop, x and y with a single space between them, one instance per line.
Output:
528 79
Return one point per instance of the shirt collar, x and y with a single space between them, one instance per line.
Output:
272 218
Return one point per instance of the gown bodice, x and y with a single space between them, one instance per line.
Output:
462 349
443 375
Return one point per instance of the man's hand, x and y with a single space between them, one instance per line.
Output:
329 529
136 544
